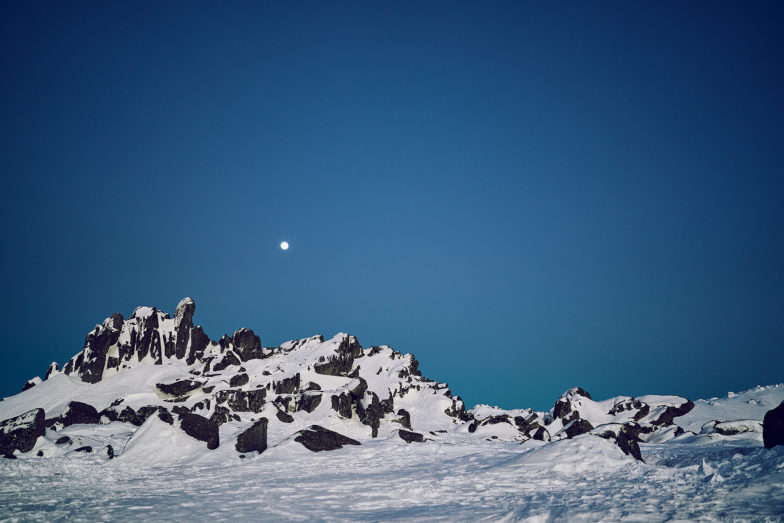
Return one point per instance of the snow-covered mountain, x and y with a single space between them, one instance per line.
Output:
152 413
156 389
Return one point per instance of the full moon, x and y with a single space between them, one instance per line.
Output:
284 246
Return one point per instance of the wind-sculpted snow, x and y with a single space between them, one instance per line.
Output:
340 431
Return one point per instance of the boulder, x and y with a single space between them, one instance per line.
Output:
241 400
317 439
410 437
200 428
773 427
21 432
284 417
254 438
238 380
77 412
577 427
179 388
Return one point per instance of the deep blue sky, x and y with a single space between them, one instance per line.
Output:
528 197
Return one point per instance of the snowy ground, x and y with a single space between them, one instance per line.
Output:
586 478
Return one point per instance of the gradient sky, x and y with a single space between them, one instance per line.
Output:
527 196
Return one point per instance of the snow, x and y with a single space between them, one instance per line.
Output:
581 479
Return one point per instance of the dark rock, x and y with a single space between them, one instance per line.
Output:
110 451
183 323
773 427
229 359
626 404
405 418
495 420
221 415
457 410
87 449
21 432
308 402
287 385
625 436
90 362
541 434
77 412
666 417
644 410
247 344
179 388
29 384
242 401
254 438
201 428
245 339
179 409
410 437
207 390
577 427
370 415
312 386
53 368
284 417
317 439
128 415
40 454
62 440
199 342
238 380
349 346
165 416
339 365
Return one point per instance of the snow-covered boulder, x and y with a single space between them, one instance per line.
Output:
21 432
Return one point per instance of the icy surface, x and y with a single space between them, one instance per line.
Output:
581 479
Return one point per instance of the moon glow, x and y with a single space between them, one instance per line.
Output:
284 246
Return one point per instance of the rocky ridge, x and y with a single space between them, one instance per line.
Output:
152 373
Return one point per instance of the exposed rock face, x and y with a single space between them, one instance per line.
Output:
625 436
670 413
90 362
183 323
238 380
179 388
410 437
53 369
21 432
242 401
78 412
773 427
200 428
254 438
317 439
577 427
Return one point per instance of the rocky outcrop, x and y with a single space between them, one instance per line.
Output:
254 438
183 323
317 439
241 400
773 427
21 432
410 437
76 412
179 388
200 428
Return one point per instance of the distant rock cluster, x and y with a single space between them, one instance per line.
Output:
320 394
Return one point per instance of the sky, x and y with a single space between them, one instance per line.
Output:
526 196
